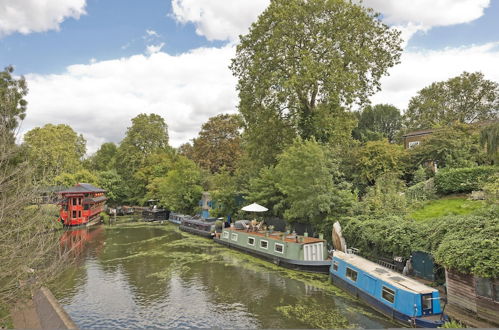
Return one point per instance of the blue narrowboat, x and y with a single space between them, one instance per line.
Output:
400 297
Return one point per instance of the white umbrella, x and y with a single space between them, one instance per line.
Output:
254 208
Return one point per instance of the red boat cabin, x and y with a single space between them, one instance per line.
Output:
81 204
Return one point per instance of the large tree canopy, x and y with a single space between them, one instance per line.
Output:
218 144
54 149
304 61
467 98
382 121
12 102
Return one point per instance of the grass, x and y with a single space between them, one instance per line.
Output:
455 205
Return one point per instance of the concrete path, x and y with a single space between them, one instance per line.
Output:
24 316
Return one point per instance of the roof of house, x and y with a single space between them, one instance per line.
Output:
420 132
82 188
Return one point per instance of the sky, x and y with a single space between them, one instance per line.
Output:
95 64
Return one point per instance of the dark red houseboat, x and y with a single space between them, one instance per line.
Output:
81 204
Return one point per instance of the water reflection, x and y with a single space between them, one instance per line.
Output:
155 276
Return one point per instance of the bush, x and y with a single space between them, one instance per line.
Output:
422 191
463 180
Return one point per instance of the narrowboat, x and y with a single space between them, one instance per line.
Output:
198 226
403 299
176 218
154 213
287 250
81 205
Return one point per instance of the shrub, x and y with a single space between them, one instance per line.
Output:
463 180
422 191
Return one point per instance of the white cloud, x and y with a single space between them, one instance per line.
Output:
226 20
26 16
219 20
153 49
152 33
412 16
99 99
419 69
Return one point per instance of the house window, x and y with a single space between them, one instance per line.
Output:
225 234
351 274
413 144
279 248
388 294
251 241
233 237
264 244
335 266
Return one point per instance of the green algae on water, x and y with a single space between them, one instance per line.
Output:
315 316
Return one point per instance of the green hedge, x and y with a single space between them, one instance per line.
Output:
421 191
463 180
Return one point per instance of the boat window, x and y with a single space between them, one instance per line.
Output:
426 302
335 266
74 214
226 234
264 244
233 237
279 248
74 201
351 274
388 294
251 241
79 214
85 207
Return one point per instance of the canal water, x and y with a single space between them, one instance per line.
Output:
140 275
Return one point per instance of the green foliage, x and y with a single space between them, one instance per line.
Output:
143 184
53 150
453 325
12 103
70 179
263 190
491 189
112 182
421 191
218 144
225 193
420 175
463 180
298 66
383 121
104 217
181 189
104 158
374 159
385 198
489 137
473 248
312 184
453 146
467 98
443 207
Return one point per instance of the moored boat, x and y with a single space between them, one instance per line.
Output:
81 205
400 297
288 250
176 218
198 226
154 213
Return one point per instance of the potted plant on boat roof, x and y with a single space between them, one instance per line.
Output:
271 229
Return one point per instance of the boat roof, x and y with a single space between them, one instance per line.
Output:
197 221
290 238
81 188
387 275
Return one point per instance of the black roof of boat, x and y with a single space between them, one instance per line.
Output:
82 188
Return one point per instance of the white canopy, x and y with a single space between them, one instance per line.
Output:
254 208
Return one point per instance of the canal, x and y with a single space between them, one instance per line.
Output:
140 275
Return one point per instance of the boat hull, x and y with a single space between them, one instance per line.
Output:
308 266
196 231
404 319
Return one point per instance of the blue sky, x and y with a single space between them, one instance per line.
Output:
95 64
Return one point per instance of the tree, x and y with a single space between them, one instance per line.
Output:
374 159
453 146
383 121
155 166
385 198
312 184
70 179
181 189
225 194
104 158
302 63
53 150
218 144
112 182
12 103
147 136
263 190
468 98
489 137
